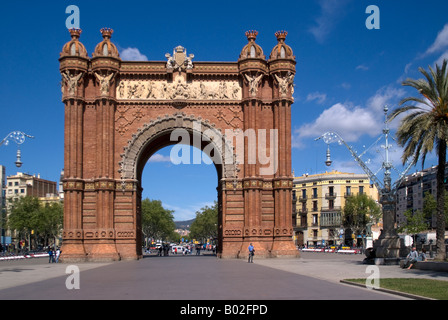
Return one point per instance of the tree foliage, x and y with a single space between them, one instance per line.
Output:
415 223
157 222
27 215
424 128
359 211
205 226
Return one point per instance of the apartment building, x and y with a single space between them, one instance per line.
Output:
411 193
319 200
23 184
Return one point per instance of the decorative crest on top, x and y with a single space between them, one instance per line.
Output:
179 59
75 33
251 35
281 35
107 32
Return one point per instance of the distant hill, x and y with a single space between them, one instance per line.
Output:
183 224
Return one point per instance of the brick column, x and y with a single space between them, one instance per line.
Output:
73 235
282 69
73 67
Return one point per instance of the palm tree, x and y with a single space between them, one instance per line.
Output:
425 127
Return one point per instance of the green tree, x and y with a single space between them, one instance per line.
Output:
47 221
359 212
424 128
205 226
27 215
157 222
416 222
430 205
21 217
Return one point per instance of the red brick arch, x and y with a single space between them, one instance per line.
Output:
119 113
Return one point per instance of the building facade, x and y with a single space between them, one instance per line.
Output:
2 205
411 193
319 200
22 184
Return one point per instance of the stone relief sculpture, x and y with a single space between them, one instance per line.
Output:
178 89
284 83
179 59
104 82
72 82
253 83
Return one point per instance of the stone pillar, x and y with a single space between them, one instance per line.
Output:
105 67
282 70
73 67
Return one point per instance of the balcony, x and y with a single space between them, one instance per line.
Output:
331 219
331 196
303 198
334 208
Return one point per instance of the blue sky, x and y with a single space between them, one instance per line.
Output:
345 73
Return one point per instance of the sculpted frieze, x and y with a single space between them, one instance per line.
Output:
178 89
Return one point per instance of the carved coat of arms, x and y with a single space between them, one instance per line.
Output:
179 59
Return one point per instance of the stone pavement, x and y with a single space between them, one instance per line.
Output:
336 267
314 276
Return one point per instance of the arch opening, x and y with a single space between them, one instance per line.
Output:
184 189
181 137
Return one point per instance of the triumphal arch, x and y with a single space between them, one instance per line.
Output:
119 113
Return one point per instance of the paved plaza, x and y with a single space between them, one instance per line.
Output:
313 276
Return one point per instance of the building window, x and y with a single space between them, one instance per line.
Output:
348 191
361 189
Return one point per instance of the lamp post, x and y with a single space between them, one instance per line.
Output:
18 137
389 247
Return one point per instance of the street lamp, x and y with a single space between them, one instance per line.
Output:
18 137
388 246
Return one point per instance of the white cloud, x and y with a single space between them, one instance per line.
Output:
362 67
331 13
159 158
132 54
319 97
385 96
441 41
351 122
346 85
439 61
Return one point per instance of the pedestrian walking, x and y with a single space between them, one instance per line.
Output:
50 256
251 253
58 253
